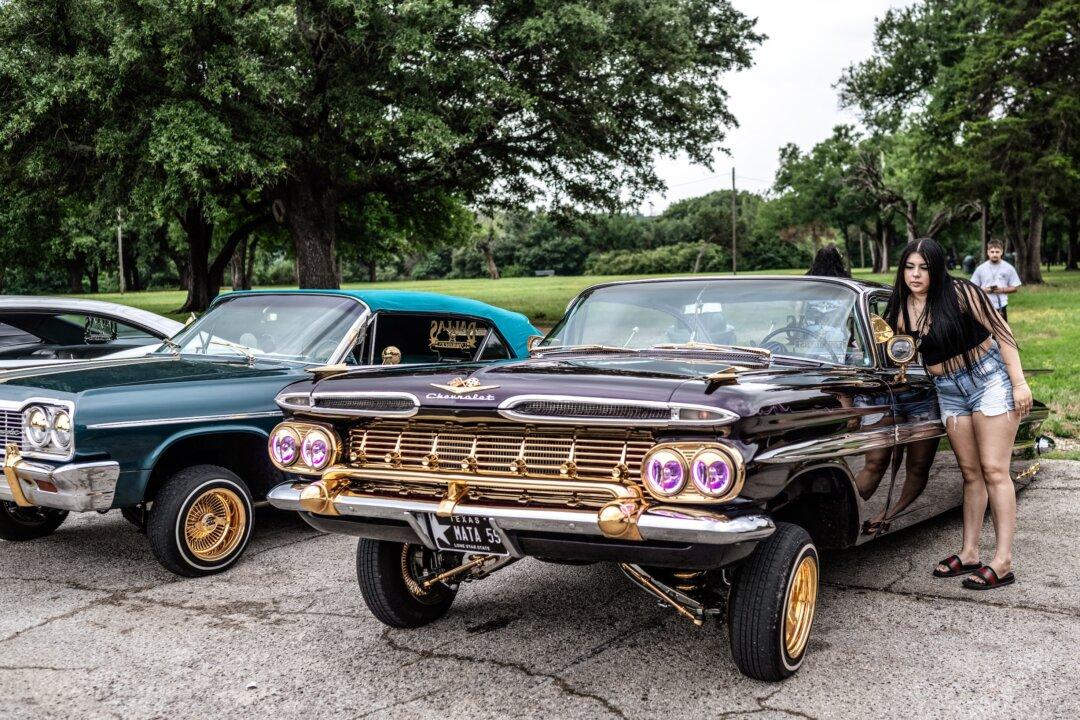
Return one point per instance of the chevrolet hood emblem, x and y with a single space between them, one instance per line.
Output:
462 386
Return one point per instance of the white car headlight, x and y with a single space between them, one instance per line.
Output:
36 426
61 429
48 429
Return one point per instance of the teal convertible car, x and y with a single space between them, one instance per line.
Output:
177 439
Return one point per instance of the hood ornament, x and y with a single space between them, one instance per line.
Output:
463 386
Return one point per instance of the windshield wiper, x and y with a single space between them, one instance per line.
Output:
697 345
584 348
242 349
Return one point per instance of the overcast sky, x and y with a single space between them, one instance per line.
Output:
787 96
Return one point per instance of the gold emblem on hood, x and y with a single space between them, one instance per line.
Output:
463 386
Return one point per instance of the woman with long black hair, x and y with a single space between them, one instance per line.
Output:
970 352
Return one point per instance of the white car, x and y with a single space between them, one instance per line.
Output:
38 330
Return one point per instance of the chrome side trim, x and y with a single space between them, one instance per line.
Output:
182 420
854 443
666 523
506 410
80 366
304 403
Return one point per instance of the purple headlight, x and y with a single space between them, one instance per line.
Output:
285 446
665 472
711 473
316 450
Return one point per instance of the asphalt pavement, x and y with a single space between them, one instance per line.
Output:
91 626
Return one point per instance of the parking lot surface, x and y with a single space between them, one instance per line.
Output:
91 626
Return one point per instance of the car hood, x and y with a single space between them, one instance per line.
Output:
628 378
87 377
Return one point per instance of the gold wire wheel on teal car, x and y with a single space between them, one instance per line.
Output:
215 524
200 520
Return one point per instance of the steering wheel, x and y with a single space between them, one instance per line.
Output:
791 331
326 348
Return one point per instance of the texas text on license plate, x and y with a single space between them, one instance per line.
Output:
461 533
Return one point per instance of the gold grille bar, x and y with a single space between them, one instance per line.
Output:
500 449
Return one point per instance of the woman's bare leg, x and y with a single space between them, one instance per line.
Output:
995 435
962 438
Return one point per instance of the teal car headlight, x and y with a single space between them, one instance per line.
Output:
36 427
47 429
61 429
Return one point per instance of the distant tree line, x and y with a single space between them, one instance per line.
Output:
312 142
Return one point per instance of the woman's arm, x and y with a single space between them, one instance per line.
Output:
999 329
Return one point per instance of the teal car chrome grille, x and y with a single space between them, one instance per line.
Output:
10 427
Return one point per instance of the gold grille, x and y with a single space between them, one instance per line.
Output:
497 449
505 496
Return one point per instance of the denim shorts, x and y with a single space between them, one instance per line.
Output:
986 388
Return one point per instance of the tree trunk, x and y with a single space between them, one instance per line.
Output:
1029 245
984 226
911 218
1072 255
1011 220
372 266
92 276
700 255
200 233
75 267
237 265
310 210
888 238
249 265
179 259
132 278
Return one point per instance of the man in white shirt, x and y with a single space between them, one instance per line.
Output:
997 277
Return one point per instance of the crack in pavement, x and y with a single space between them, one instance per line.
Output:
764 707
555 679
915 595
399 703
111 597
260 551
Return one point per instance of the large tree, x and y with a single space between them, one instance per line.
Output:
494 102
994 85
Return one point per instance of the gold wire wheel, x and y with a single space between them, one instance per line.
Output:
799 609
215 524
412 568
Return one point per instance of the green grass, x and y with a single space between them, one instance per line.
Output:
1046 320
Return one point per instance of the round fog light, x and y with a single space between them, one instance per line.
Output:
665 472
711 473
316 450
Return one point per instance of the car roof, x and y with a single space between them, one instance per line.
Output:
136 316
514 326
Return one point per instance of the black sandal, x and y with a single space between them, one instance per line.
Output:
956 567
990 578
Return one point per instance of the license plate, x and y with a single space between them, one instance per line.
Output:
466 534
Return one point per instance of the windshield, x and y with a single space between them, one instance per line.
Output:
304 328
806 319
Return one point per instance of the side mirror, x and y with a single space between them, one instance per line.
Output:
881 330
901 349
532 341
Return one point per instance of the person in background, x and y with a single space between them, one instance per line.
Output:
828 262
997 278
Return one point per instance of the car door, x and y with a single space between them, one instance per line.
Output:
926 479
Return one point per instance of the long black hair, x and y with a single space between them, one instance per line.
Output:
947 299
828 263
